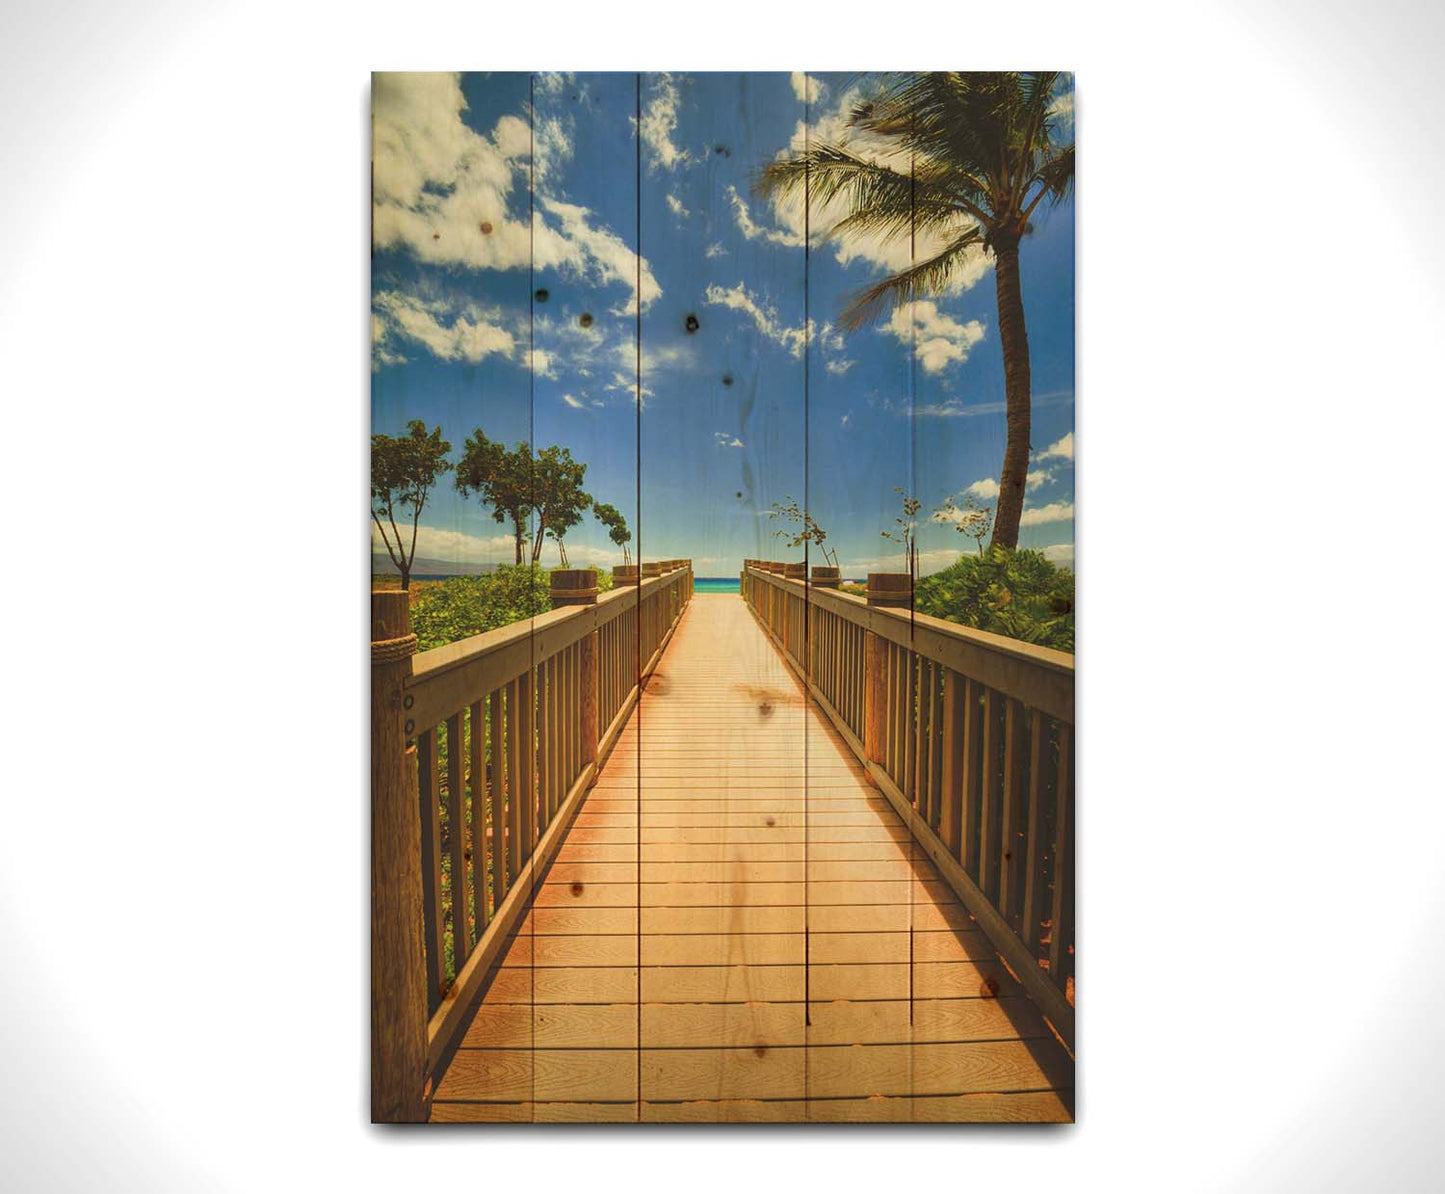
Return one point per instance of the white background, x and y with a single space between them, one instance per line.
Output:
183 370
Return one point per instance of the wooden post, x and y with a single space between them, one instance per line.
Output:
578 586
825 577
398 982
573 586
795 571
624 574
890 590
651 569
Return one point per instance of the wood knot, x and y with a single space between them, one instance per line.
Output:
760 1050
988 989
576 889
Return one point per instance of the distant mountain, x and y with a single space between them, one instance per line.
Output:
381 565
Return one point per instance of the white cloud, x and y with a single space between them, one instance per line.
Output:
590 251
445 193
938 339
1061 554
437 543
574 402
753 231
678 210
846 419
1060 449
764 315
714 250
928 562
808 89
659 120
840 366
1041 515
987 489
451 331
724 440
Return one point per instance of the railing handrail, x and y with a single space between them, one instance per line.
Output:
443 679
1041 677
527 713
969 737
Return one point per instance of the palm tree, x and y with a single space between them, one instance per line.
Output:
965 158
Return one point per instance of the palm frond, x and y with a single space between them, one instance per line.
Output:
923 277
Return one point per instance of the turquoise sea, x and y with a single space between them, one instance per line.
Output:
716 584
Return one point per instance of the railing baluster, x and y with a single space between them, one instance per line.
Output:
988 848
457 840
1033 851
1062 930
935 739
1010 847
526 774
973 775
429 786
546 764
477 772
507 819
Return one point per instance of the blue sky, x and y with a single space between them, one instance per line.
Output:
724 429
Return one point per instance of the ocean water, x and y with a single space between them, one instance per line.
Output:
716 584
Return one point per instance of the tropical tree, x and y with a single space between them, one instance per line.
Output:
612 518
973 518
503 478
558 496
964 159
403 470
906 534
800 527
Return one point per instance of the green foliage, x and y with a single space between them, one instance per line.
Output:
502 477
403 470
447 610
462 606
1010 591
559 497
517 484
612 518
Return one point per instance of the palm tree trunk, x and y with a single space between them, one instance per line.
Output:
1014 338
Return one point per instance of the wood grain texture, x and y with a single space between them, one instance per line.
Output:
739 928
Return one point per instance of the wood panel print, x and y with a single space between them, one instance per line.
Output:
723 574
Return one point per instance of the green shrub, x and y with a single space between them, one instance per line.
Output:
447 610
1016 592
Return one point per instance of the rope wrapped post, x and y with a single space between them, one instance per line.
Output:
826 577
887 590
578 586
398 978
573 586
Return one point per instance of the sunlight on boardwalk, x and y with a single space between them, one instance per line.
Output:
799 959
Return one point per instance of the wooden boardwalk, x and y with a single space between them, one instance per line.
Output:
739 927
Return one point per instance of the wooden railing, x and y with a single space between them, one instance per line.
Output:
970 736
481 753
